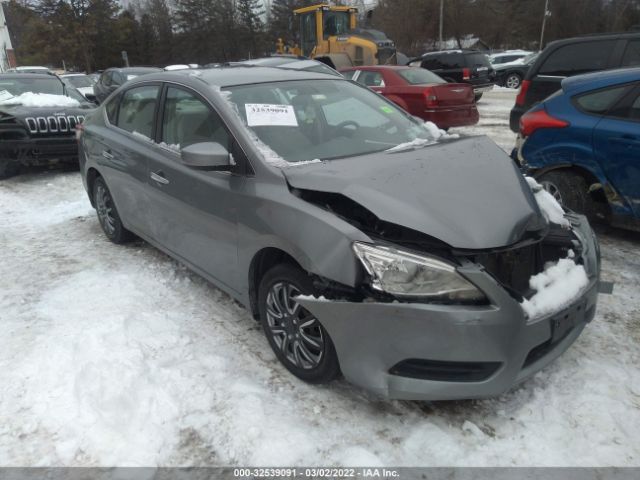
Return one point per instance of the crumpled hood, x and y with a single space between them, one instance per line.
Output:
467 193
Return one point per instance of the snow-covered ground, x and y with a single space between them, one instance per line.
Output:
119 356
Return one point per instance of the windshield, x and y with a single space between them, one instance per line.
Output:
80 81
324 119
18 86
420 76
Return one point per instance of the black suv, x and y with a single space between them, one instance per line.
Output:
460 66
112 78
573 56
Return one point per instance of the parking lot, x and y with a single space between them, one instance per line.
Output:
117 355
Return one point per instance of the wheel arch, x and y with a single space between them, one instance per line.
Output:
92 175
261 263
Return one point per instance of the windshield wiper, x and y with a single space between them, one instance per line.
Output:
412 145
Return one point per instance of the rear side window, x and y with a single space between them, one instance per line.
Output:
370 79
137 110
631 54
419 76
578 58
601 101
451 60
477 60
350 74
112 109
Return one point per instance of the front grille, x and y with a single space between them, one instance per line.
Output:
514 268
53 124
445 371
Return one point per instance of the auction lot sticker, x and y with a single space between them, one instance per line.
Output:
263 114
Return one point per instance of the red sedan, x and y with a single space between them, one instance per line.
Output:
421 93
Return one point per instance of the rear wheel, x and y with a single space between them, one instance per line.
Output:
513 81
478 96
108 214
296 336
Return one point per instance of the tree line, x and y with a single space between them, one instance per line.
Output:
91 34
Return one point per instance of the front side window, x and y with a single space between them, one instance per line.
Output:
308 29
324 119
188 120
601 101
578 58
137 110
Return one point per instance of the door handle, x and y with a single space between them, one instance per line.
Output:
159 177
107 155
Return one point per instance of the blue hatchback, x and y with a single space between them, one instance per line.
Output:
583 145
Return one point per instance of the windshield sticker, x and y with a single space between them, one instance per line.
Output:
387 109
265 114
5 95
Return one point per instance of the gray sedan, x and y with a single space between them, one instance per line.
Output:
418 265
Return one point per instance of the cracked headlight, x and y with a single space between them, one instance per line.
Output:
407 274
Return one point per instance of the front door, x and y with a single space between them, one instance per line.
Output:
194 211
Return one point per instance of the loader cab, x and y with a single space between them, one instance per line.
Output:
319 22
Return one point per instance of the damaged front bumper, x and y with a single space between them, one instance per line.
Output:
421 351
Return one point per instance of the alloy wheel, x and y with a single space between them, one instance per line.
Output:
553 190
295 331
104 207
513 81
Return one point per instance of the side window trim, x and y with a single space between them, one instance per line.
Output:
245 169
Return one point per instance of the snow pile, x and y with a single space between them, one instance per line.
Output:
557 286
30 99
550 207
437 133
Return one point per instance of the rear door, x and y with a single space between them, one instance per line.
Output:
566 61
194 212
617 148
125 150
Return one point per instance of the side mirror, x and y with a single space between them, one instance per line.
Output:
209 156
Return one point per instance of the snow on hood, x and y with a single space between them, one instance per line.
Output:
549 206
556 287
467 193
30 99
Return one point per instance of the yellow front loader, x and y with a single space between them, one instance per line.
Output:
330 34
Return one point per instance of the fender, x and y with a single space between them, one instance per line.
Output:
398 101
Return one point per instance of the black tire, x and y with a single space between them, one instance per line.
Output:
570 189
8 168
478 97
513 80
292 336
108 215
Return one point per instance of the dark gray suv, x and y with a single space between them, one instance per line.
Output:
418 265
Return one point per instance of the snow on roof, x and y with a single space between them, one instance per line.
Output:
30 99
466 41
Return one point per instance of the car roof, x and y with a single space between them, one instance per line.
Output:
596 80
379 67
464 51
136 69
27 75
75 74
593 37
240 75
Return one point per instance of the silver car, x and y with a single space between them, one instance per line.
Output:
363 243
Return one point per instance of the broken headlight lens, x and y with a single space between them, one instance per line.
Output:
407 274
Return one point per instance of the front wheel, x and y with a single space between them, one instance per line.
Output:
108 214
513 81
296 336
569 189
